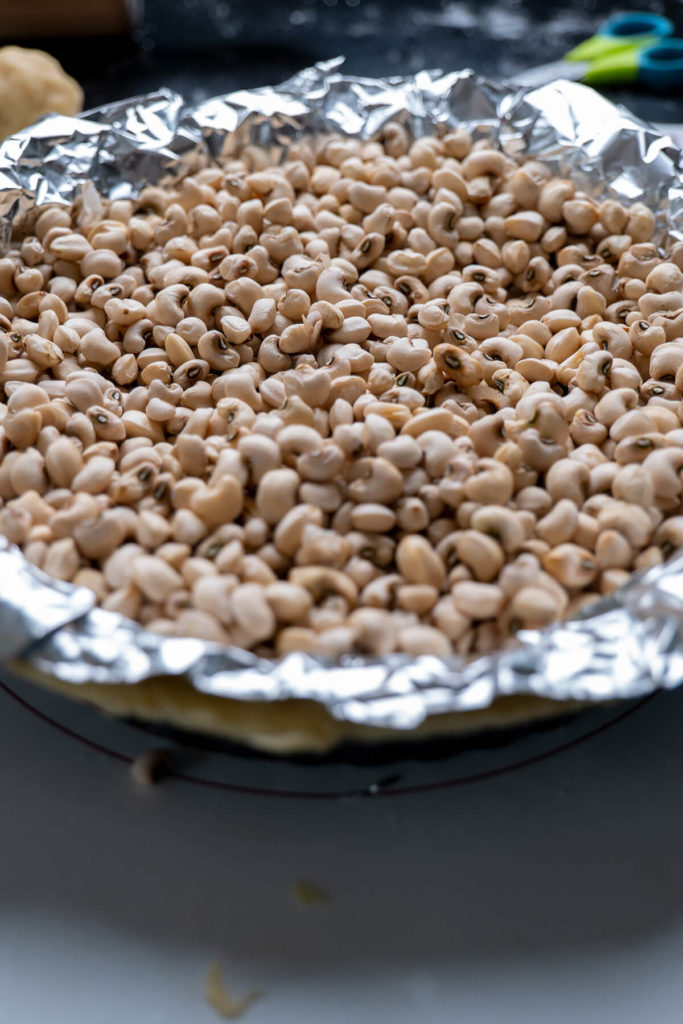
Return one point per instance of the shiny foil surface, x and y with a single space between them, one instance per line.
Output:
627 645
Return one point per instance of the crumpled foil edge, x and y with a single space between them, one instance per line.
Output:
626 646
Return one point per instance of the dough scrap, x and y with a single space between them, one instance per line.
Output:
33 83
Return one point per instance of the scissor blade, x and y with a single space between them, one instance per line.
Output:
546 73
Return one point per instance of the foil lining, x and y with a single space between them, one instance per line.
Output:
627 645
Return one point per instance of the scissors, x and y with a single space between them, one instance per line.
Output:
635 47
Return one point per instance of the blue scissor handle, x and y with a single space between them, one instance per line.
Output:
636 23
661 65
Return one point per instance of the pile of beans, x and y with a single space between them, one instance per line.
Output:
382 396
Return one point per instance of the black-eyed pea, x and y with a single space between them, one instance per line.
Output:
590 303
424 640
554 238
594 372
632 423
477 600
349 389
27 472
564 343
535 276
533 608
612 579
666 361
326 496
480 553
520 572
580 215
362 571
648 558
195 567
403 452
386 325
510 384
374 630
451 622
260 453
634 483
636 447
375 431
290 603
381 591
296 438
63 461
614 404
515 255
97 349
613 216
586 532
503 524
586 429
228 558
481 325
39 509
45 354
625 375
199 624
125 600
62 559
613 551
412 514
15 523
666 277
22 428
160 411
152 529
214 595
576 399
155 578
371 517
537 369
406 355
70 510
252 613
664 468
137 424
632 521
99 536
221 502
95 476
571 565
21 371
290 527
418 562
375 480
125 370
93 580
665 421
323 547
492 483
640 224
527 225
438 449
107 425
436 419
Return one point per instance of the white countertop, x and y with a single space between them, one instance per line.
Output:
550 893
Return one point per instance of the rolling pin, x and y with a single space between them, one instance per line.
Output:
43 18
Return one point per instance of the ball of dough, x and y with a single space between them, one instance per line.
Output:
33 83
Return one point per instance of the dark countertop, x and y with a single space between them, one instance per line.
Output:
209 47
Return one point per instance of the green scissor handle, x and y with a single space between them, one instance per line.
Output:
613 53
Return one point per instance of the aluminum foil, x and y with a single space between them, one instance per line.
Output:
626 646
